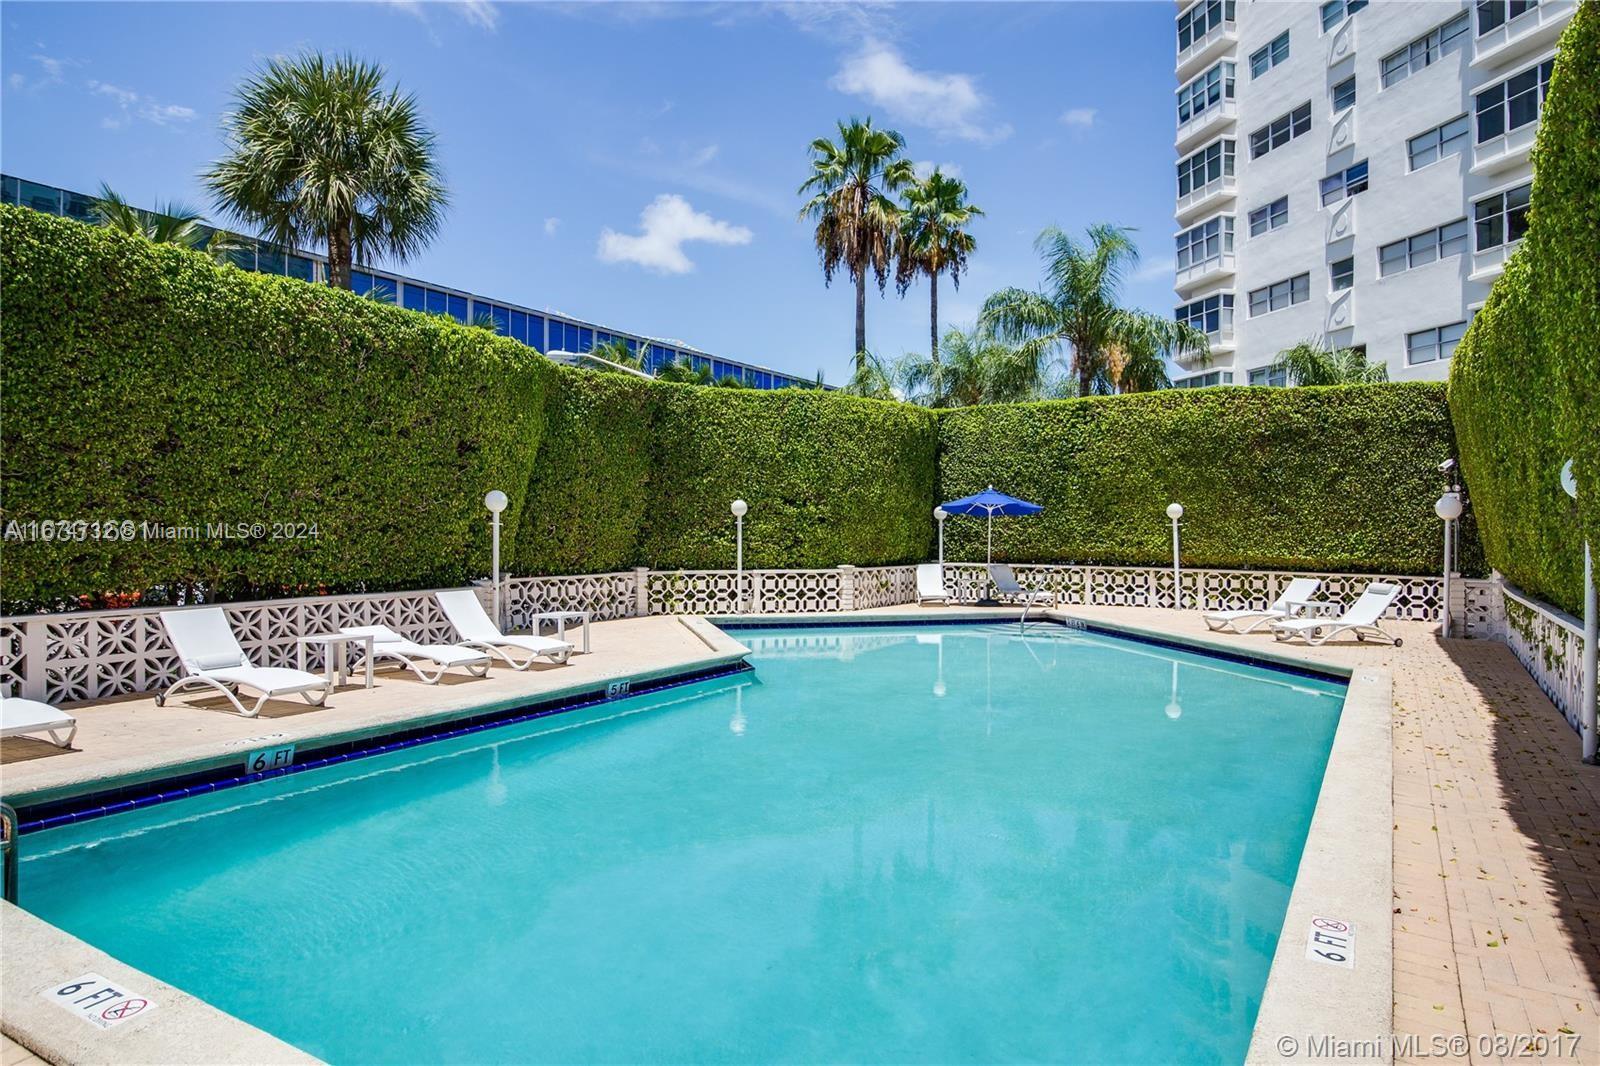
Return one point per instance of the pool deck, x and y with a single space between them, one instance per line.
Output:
1496 850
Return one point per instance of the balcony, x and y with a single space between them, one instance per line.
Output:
1206 197
1342 131
1527 33
1341 311
1505 151
1341 220
1221 341
1200 54
1214 269
1206 124
1342 42
1491 262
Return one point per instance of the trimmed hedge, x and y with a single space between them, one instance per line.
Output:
1525 384
1340 478
830 479
145 383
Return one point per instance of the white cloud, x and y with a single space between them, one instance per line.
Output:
1079 116
666 224
480 13
17 81
703 156
132 105
1155 269
551 224
927 166
948 104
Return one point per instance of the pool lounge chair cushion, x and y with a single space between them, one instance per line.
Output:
477 630
391 646
210 655
21 718
1362 619
930 583
1300 590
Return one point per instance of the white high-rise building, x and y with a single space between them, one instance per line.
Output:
1350 173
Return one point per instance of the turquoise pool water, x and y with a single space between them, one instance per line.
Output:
886 844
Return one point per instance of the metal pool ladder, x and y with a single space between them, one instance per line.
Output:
8 845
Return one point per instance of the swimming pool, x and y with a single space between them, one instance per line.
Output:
893 843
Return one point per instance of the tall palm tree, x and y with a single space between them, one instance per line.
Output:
933 240
320 152
1078 309
1313 363
849 200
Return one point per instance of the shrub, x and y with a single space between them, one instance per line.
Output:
1340 478
144 383
1525 384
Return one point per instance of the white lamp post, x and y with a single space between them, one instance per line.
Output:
1175 512
496 501
1448 508
939 515
1591 635
739 509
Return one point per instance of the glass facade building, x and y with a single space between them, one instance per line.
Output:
549 333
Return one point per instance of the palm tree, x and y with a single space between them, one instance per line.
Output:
319 152
1313 363
683 370
873 378
170 223
849 201
933 240
616 350
975 368
1111 346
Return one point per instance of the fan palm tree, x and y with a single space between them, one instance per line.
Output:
1110 346
849 200
933 240
171 223
1312 363
320 152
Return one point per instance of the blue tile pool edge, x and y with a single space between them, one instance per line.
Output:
89 806
1309 670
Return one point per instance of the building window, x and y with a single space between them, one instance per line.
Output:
1280 294
1420 249
1205 243
1492 14
1197 22
1269 55
1209 164
1443 140
1335 11
1280 131
1266 375
1271 217
1501 218
1206 380
1206 92
1212 315
1342 274
1425 50
1513 103
1347 182
1344 94
1430 345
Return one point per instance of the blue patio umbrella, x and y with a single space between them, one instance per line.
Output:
990 503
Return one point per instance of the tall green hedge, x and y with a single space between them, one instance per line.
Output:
144 383
1525 384
1341 478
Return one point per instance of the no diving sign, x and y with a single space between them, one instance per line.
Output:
99 1001
1332 941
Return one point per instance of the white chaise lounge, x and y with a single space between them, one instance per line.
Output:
211 656
1300 590
1362 619
477 630
930 584
390 647
1006 584
24 718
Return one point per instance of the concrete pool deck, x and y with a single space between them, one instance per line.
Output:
1496 854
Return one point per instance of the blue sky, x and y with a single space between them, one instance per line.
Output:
636 163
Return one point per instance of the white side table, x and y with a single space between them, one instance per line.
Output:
335 653
561 618
1313 609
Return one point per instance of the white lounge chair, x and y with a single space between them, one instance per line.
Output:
930 583
389 646
1300 590
1362 619
22 718
1006 584
476 630
211 656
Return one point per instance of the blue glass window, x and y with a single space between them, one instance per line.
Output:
414 297
601 337
10 189
633 347
81 207
585 339
360 282
519 326
299 266
502 320
435 302
456 307
536 331
269 259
